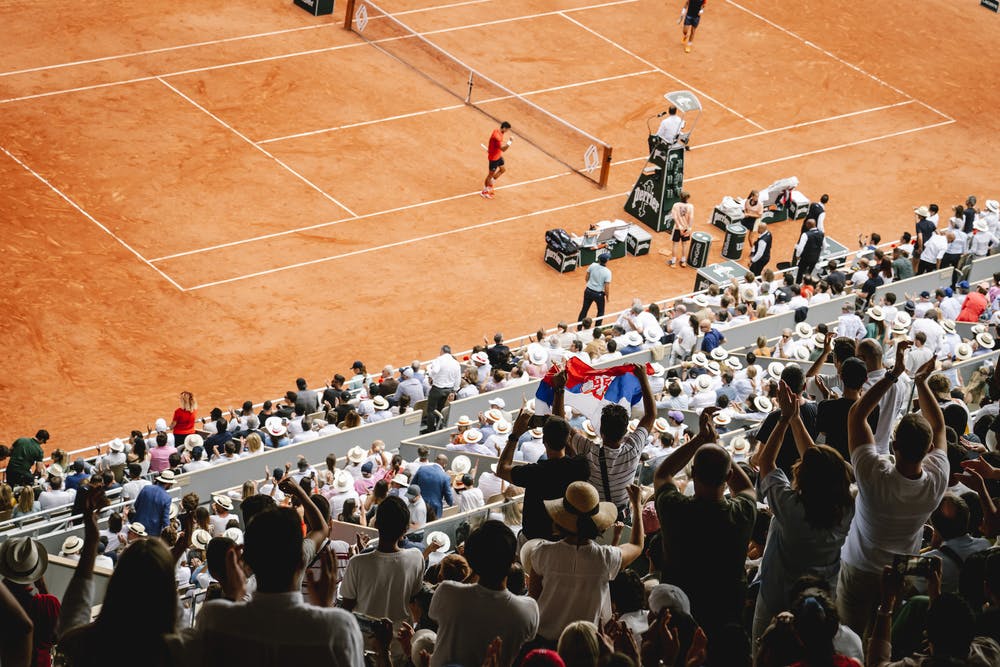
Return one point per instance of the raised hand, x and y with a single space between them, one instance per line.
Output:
901 348
926 370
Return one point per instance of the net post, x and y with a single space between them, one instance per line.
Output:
602 181
349 15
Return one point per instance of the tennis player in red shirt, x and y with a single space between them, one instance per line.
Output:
494 152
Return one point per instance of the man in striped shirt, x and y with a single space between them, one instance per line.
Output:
613 466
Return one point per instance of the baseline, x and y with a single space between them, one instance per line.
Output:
830 54
296 54
660 70
491 223
94 220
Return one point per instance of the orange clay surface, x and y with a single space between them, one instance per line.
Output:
220 197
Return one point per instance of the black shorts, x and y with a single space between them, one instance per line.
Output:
495 164
692 21
677 236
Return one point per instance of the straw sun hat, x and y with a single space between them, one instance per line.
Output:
580 511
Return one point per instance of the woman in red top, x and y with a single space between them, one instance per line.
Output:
184 418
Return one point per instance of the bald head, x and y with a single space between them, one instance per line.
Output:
810 224
711 466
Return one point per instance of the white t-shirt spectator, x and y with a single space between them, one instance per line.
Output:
277 627
470 616
418 513
490 485
574 584
50 499
470 499
890 509
383 583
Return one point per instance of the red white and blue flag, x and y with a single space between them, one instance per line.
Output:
590 389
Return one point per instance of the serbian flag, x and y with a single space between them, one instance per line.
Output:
590 389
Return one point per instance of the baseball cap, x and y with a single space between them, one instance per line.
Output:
668 596
413 491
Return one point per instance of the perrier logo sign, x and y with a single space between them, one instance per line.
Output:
644 197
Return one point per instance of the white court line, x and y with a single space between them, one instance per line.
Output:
296 54
262 150
224 40
407 207
165 49
821 150
660 70
452 107
401 243
491 223
794 126
373 214
835 57
90 217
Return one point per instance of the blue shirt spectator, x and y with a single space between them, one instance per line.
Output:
152 505
435 487
713 339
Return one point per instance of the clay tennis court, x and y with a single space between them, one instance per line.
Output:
223 197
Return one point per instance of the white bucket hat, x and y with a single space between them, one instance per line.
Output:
356 454
775 369
704 382
275 426
440 538
537 354
343 481
804 329
719 353
71 545
763 403
200 539
379 403
234 533
225 502
461 464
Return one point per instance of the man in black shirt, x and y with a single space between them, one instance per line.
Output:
547 479
809 248
789 454
499 354
969 215
831 414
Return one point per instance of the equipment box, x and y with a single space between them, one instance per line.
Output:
800 206
721 219
638 241
561 262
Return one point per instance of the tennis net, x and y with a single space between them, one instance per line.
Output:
579 151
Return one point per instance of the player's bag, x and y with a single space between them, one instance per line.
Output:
559 241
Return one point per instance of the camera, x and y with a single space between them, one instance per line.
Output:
915 566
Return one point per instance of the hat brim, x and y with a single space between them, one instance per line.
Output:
23 577
606 515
